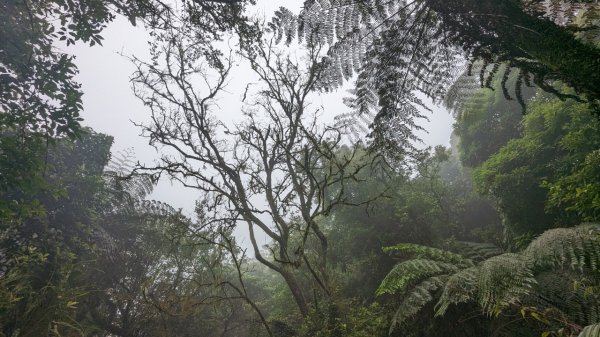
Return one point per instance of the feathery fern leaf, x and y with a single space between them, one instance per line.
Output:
119 178
406 274
461 287
503 280
567 291
576 248
553 274
426 252
416 299
477 251
405 50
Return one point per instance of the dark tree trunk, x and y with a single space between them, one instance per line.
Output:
297 292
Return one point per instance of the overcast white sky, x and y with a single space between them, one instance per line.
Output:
110 106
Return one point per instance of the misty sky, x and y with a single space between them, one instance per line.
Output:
110 106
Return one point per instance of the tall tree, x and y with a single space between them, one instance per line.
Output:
276 172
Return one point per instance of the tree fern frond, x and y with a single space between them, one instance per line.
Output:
561 12
426 252
503 280
590 331
119 178
568 292
416 299
154 208
476 251
417 58
284 24
576 248
131 189
407 273
461 287
556 274
463 89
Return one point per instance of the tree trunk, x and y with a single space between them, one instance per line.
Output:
292 282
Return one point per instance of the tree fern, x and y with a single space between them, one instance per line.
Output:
576 248
476 251
416 280
357 33
461 287
419 251
413 302
118 176
503 280
560 12
550 274
405 50
408 273
567 292
130 190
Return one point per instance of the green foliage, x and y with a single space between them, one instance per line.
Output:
503 280
476 251
434 204
567 248
509 280
349 320
399 48
43 249
413 302
547 165
485 120
406 274
425 252
461 287
578 193
417 279
21 175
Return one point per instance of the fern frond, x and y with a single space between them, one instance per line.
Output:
561 12
130 189
557 273
503 280
426 252
590 331
463 89
417 58
477 251
416 299
461 287
569 292
575 248
154 208
407 273
119 178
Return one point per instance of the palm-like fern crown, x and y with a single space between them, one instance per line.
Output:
405 51
576 248
562 12
132 189
389 84
127 196
503 280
